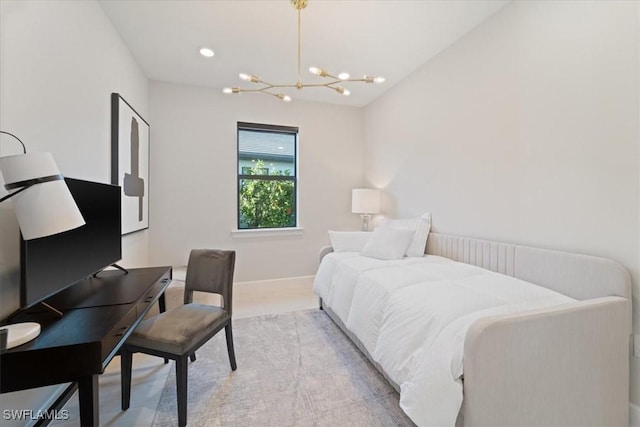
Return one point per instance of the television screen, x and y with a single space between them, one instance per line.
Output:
53 263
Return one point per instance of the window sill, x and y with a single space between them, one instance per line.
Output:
267 232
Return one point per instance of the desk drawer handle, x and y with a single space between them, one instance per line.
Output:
122 328
118 335
148 299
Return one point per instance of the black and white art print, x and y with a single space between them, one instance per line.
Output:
130 163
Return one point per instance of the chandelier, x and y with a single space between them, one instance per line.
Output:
333 82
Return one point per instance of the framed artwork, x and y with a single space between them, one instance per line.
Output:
130 163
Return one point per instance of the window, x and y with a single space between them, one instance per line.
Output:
248 170
267 176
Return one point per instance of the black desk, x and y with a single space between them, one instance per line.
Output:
77 347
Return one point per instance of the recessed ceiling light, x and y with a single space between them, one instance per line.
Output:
206 52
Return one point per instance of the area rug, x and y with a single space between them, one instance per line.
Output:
295 369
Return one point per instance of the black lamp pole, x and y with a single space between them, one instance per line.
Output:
24 149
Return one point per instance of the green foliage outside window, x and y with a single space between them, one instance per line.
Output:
267 203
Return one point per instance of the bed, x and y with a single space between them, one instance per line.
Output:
481 333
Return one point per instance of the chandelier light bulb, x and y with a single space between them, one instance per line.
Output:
318 71
285 98
371 79
343 76
249 77
206 52
342 91
227 90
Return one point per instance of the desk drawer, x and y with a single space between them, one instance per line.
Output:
118 333
152 295
123 329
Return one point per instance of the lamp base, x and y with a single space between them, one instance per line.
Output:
365 221
20 333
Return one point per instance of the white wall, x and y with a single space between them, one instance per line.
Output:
60 62
193 183
526 130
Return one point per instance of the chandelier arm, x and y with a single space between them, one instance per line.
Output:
334 77
289 86
271 85
326 84
267 86
318 84
267 91
263 90
240 90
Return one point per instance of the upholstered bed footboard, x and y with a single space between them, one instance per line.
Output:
537 368
567 365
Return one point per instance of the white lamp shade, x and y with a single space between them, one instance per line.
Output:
365 201
45 208
23 167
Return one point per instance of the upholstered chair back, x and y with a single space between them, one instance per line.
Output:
210 270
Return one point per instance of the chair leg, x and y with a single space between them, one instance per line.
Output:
181 389
232 354
125 377
193 356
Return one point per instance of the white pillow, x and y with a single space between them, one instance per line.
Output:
388 243
349 241
420 226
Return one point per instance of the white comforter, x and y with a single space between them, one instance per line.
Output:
412 316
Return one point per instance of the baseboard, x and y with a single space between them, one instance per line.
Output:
282 281
179 274
634 415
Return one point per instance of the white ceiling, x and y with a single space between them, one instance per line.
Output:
374 37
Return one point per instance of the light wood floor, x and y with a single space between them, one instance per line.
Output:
150 373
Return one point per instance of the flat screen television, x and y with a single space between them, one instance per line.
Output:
53 263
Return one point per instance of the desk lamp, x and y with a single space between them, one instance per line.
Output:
366 202
43 206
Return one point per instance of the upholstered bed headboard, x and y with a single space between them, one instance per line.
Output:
578 276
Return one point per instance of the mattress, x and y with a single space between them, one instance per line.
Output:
412 315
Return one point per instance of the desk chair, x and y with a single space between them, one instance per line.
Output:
179 332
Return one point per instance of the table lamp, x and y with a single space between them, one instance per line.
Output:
365 201
43 206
